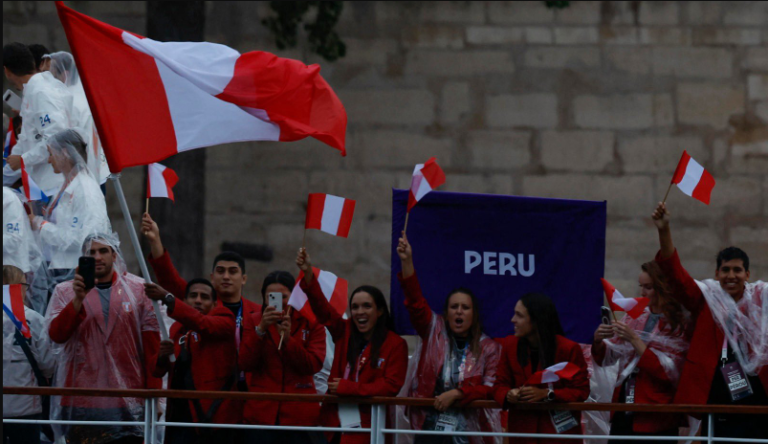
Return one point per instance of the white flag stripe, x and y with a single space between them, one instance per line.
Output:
327 283
691 178
298 298
334 205
7 296
423 189
157 185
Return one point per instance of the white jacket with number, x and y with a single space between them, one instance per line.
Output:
45 111
79 211
17 370
16 232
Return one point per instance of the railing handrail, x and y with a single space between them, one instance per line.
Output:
413 402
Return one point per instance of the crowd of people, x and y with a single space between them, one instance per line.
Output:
697 342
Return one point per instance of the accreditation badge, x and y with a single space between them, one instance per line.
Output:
446 423
563 420
736 381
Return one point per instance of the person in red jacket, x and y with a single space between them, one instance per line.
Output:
649 351
728 359
455 362
274 368
369 360
538 343
108 338
206 360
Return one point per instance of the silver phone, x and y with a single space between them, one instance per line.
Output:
276 300
13 100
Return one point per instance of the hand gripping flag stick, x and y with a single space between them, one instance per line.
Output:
280 345
115 178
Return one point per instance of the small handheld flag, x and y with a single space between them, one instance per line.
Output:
331 214
561 370
334 289
426 177
632 306
692 179
31 190
160 181
10 141
13 305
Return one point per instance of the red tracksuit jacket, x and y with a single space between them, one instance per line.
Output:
706 344
209 339
289 370
386 380
512 375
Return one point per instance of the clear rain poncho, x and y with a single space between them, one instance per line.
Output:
438 357
78 209
63 68
108 348
21 250
745 323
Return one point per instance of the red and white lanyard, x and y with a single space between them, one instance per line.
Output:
360 363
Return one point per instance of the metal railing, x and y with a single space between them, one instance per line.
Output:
378 428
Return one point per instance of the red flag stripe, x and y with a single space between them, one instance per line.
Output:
171 179
681 167
703 190
315 207
346 218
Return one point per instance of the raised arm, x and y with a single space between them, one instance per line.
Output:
167 275
323 310
418 308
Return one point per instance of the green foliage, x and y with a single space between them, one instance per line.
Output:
557 4
322 38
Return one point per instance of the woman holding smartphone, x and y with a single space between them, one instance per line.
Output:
280 352
369 360
454 361
650 352
539 343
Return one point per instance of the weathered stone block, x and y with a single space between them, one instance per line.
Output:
368 52
576 150
519 12
494 35
562 57
703 13
663 110
452 12
746 13
749 157
408 107
761 110
756 59
539 35
635 60
579 13
576 36
726 36
378 149
619 35
504 150
433 36
659 13
459 63
660 154
455 102
693 62
665 36
626 111
757 87
708 103
534 110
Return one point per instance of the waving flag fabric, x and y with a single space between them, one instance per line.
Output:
334 289
31 190
13 306
632 306
160 181
10 141
331 214
693 179
426 177
189 95
561 370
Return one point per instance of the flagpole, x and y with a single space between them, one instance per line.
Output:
280 345
146 210
115 178
667 195
406 222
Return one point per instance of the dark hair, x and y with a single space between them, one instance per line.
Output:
546 321
18 59
200 281
383 325
38 51
277 277
476 330
730 254
229 256
672 310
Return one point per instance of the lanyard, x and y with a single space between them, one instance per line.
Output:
724 352
238 323
360 363
462 366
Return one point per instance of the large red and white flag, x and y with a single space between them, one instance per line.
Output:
632 306
693 179
426 177
334 289
331 214
160 181
13 305
561 370
189 95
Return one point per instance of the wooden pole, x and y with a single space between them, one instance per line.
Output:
280 345
406 222
146 209
667 195
304 240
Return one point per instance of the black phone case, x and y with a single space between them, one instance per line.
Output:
87 269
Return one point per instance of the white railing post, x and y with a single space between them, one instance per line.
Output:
153 421
378 423
710 427
147 425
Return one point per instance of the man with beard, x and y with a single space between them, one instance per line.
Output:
109 338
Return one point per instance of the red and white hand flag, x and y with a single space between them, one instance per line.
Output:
334 289
13 306
632 306
160 181
328 213
561 370
693 179
426 177
190 95
31 190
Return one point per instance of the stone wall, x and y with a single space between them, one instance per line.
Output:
595 101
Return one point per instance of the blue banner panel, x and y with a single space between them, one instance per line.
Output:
502 247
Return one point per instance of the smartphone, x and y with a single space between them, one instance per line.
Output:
276 300
12 100
86 267
605 317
